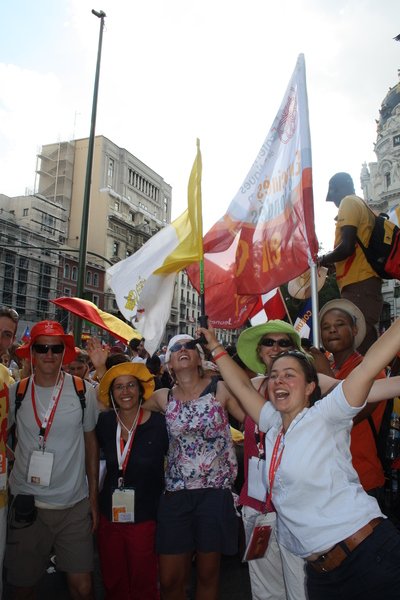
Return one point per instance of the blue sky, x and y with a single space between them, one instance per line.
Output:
176 70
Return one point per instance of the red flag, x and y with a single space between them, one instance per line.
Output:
269 306
267 235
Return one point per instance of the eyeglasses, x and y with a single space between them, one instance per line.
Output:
190 345
44 348
9 312
282 343
119 387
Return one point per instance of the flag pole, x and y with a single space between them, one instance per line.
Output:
314 303
284 304
203 318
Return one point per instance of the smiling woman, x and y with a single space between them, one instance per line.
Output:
196 511
134 442
323 513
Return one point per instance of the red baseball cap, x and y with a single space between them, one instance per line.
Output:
49 328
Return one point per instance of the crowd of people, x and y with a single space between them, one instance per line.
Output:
164 499
138 454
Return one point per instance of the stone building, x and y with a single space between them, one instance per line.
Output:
129 202
380 182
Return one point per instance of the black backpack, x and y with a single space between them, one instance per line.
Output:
383 251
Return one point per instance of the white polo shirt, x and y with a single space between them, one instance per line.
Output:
317 493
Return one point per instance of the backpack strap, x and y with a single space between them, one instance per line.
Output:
20 392
80 389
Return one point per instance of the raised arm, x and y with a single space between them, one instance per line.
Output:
98 355
157 401
358 383
236 379
234 408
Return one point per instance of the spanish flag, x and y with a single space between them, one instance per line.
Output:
89 312
143 283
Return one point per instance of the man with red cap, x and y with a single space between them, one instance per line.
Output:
51 506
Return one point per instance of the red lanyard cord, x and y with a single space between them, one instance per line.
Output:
273 467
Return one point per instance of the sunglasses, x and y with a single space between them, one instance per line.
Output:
190 345
282 343
44 348
9 312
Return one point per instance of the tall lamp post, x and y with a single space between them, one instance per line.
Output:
80 286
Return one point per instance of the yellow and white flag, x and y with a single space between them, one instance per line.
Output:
143 283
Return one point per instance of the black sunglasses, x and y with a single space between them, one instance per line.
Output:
190 345
44 348
282 343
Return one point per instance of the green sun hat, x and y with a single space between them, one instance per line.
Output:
249 339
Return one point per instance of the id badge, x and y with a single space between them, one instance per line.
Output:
260 538
257 479
40 468
123 505
3 471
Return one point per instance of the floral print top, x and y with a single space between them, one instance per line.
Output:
201 452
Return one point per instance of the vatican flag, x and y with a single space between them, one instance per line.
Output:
143 283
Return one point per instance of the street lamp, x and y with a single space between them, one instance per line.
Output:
86 197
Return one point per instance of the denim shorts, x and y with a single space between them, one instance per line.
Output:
202 520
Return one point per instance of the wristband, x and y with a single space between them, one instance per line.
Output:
214 349
223 353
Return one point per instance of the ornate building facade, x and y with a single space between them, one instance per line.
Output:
380 182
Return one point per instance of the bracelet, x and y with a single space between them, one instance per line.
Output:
223 353
214 349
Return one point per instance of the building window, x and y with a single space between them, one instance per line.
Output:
67 291
388 180
115 248
48 223
116 205
74 273
88 278
95 280
95 299
25 212
66 271
110 172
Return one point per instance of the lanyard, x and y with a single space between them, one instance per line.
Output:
260 435
273 467
45 425
124 450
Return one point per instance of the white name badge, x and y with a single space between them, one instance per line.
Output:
123 506
3 471
40 468
257 479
